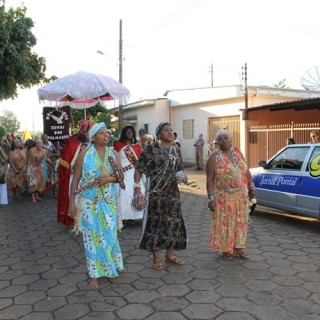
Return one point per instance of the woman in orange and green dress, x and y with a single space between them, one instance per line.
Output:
229 187
34 173
17 172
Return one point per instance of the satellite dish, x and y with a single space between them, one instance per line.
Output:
310 80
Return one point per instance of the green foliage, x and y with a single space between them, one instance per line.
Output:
281 84
19 66
3 131
9 120
98 113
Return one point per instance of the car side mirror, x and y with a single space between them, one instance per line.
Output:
263 164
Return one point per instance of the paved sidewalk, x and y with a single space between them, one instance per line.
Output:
196 181
43 272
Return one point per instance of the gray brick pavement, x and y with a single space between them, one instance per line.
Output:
43 271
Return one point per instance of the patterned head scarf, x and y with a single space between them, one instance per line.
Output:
85 125
95 128
223 132
160 126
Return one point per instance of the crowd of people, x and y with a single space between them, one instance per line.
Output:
25 167
129 180
105 183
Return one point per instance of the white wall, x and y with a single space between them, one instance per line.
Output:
200 114
150 112
200 104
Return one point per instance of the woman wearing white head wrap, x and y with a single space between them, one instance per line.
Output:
94 130
229 186
95 210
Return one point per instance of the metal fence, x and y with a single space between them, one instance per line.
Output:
265 141
232 123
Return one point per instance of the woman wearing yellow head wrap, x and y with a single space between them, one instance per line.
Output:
95 209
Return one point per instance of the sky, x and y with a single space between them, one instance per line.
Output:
171 44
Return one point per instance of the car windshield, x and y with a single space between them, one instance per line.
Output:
289 158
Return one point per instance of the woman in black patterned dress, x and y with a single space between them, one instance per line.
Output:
163 226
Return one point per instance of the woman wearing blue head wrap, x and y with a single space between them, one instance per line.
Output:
95 208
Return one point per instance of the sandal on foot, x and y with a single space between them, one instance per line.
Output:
157 265
174 260
94 284
227 255
240 253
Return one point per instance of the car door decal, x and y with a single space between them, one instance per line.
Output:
315 166
278 180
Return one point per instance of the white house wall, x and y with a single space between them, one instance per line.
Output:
201 115
151 114
190 96
201 104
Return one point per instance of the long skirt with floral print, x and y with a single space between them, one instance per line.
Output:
99 221
163 226
229 222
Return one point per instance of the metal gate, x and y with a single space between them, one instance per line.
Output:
265 141
231 123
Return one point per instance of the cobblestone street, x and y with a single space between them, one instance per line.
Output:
43 270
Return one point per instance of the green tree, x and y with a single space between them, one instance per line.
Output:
3 131
19 66
281 84
98 114
9 120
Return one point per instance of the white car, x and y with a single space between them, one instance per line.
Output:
290 180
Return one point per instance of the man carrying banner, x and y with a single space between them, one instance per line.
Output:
76 143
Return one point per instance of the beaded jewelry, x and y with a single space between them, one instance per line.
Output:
160 172
117 173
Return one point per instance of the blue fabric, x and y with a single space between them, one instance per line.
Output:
99 218
95 128
44 168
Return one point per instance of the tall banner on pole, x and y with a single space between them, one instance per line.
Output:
56 122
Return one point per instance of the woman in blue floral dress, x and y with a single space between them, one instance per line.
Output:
95 208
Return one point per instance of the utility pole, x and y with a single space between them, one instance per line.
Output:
244 79
120 52
211 71
120 116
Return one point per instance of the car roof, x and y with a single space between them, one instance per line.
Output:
302 144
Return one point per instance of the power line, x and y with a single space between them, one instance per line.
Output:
178 13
